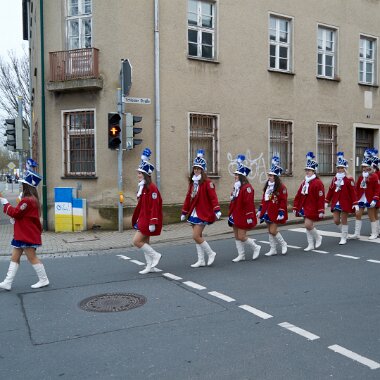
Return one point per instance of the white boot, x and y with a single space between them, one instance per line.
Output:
310 241
201 257
284 246
240 249
272 244
374 232
155 256
12 270
317 236
358 227
148 260
343 239
42 277
256 248
211 254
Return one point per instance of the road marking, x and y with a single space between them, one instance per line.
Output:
264 242
124 257
374 261
352 355
318 251
293 246
347 256
257 312
306 334
194 285
137 262
172 276
222 296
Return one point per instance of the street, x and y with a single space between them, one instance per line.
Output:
306 315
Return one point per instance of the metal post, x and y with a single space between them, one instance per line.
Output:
120 158
20 152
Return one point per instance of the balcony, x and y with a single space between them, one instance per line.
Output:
74 70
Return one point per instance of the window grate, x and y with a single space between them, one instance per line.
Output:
281 144
327 148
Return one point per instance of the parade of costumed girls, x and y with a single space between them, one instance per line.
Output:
242 214
367 191
27 228
147 216
200 208
309 202
273 208
341 196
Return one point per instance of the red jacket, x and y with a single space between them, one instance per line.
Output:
243 207
372 190
148 211
27 227
205 201
277 203
312 203
346 196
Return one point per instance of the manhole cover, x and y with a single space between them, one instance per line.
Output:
110 302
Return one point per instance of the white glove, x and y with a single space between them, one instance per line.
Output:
326 205
4 201
356 208
321 215
295 212
218 215
258 214
12 221
280 217
183 218
249 221
372 204
152 227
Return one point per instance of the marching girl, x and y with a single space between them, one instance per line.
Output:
273 207
367 190
375 166
242 214
201 207
27 229
309 202
342 196
147 216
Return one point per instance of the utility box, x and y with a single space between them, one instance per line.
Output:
79 214
63 206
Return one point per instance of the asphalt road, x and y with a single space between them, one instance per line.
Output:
306 315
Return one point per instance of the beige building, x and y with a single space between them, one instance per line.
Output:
256 77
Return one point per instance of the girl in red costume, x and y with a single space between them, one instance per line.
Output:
27 228
242 214
147 216
201 206
367 190
342 196
273 207
375 166
309 202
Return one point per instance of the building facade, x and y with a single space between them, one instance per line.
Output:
254 77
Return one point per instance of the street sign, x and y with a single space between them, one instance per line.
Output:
129 99
11 166
126 77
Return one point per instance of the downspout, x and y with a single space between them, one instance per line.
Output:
157 92
43 132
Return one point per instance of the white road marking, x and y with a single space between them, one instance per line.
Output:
352 355
124 257
257 312
318 251
347 256
293 246
306 334
172 276
194 285
137 262
264 242
374 261
222 296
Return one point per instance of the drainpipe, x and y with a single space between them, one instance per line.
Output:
43 132
157 91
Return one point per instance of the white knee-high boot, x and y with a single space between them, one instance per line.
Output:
317 236
155 256
310 241
12 270
241 253
201 257
358 227
148 260
374 232
210 253
272 244
256 248
284 245
343 239
42 277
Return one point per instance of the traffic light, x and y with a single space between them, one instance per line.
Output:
10 134
114 130
132 130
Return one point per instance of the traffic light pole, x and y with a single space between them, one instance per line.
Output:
120 160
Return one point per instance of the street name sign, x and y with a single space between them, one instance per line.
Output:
129 99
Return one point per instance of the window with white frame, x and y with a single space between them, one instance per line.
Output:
79 143
280 143
201 29
327 148
327 52
204 135
280 43
367 60
79 24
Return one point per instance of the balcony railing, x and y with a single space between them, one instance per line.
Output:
74 64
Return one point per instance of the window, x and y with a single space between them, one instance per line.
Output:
327 148
280 144
326 52
79 143
204 135
201 29
279 43
79 24
367 60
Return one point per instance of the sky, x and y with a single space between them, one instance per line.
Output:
11 27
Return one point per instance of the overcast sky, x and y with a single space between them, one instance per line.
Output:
11 27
